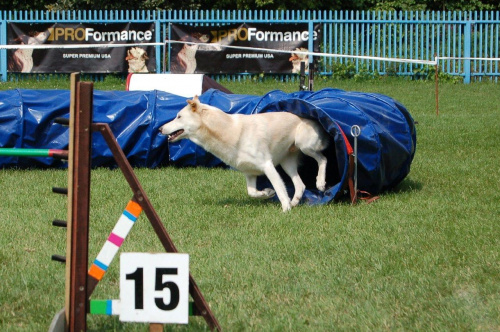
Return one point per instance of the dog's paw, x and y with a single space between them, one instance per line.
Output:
263 194
286 207
321 185
295 201
268 193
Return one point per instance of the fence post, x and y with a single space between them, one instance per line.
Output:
3 52
467 46
310 44
158 48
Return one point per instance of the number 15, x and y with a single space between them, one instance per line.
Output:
138 277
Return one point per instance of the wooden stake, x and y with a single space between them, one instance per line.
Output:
155 327
436 79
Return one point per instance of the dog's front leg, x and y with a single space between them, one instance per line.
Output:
278 184
252 188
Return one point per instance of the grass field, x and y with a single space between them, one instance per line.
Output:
424 257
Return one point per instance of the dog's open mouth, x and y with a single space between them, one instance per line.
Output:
175 134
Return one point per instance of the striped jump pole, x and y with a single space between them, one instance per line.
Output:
105 307
112 307
21 152
113 244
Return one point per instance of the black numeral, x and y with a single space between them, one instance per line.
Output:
138 277
172 287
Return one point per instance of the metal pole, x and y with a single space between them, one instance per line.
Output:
467 50
355 132
302 86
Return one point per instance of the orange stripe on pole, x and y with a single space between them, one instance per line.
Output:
133 208
96 272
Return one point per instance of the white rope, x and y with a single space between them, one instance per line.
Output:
331 55
307 53
72 46
468 58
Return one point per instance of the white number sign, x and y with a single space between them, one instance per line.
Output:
154 288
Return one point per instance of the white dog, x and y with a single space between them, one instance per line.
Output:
297 58
255 144
136 58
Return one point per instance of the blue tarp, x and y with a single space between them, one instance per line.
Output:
386 146
26 121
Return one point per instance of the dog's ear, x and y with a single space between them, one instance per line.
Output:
194 104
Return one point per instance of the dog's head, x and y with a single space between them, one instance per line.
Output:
136 53
187 121
136 58
297 58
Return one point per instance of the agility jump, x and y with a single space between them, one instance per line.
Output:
80 280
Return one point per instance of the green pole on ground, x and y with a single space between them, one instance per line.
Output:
19 152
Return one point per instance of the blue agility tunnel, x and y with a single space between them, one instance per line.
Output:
386 145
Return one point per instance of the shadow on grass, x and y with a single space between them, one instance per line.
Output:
247 202
406 186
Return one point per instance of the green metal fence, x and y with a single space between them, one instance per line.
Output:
466 43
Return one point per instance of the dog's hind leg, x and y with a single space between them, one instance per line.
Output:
278 184
311 139
252 188
321 160
289 165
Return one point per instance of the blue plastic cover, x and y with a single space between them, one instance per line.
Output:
386 146
27 116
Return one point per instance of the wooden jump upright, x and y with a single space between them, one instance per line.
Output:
79 155
79 282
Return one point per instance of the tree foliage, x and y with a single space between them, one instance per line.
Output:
458 5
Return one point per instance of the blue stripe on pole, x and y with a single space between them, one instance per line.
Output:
101 265
109 307
129 216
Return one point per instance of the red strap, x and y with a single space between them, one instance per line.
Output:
127 84
367 197
350 179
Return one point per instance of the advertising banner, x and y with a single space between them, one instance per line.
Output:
85 60
204 51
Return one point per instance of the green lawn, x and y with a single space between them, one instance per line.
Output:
424 257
